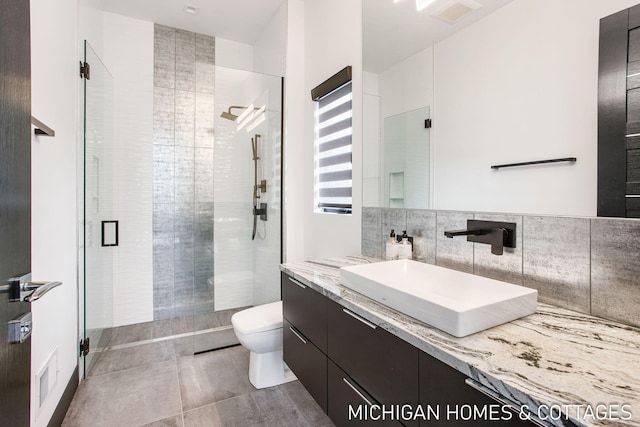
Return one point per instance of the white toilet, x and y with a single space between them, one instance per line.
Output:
259 330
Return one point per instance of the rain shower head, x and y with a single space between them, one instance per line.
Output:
229 115
233 117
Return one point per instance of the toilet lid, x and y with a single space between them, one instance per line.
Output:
258 319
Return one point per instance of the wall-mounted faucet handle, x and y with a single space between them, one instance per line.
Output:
497 234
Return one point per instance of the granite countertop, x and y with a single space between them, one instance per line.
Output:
553 360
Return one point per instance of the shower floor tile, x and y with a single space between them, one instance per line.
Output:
208 389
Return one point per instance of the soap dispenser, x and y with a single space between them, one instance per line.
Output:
392 247
405 247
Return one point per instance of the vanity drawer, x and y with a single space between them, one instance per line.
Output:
444 387
306 361
381 363
306 309
344 391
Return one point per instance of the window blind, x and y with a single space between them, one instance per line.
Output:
333 150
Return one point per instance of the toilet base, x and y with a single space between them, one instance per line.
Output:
268 369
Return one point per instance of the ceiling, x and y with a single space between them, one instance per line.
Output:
238 20
393 31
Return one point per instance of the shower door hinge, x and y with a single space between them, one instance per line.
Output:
85 70
427 124
84 347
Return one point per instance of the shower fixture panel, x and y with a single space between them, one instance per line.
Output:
257 189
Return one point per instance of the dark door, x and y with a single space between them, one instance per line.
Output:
15 202
619 115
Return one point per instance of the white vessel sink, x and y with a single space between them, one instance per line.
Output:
455 302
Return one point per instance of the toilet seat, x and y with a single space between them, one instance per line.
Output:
261 318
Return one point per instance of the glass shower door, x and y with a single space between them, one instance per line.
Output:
100 229
242 244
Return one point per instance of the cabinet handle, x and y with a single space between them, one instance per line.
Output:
362 396
303 286
297 334
495 396
362 319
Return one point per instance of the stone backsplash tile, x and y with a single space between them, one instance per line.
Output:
395 219
585 264
556 260
615 269
371 232
421 225
455 253
506 267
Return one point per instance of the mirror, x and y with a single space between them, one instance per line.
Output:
397 173
509 81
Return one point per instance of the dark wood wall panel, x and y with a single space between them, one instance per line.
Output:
633 188
633 207
633 203
612 91
633 71
633 166
634 17
634 45
633 142
633 105
631 128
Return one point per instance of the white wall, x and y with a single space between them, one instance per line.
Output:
270 47
54 80
325 54
234 54
128 54
295 135
519 85
408 85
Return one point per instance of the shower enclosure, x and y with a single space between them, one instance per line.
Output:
211 237
97 266
246 234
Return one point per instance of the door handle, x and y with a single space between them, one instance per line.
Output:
16 285
40 288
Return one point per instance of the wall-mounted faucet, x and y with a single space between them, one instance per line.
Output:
497 234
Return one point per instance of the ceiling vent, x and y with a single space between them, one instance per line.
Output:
455 10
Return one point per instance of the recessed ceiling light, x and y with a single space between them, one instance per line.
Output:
191 10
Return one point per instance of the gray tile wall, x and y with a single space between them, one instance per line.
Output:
182 172
590 265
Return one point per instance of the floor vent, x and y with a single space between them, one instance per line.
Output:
455 10
47 378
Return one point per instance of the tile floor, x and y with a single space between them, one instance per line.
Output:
163 384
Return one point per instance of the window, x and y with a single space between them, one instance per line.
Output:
333 158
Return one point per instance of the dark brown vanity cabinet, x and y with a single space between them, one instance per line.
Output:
444 391
307 362
383 365
305 336
345 361
344 393
306 309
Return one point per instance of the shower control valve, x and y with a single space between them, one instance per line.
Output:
262 186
